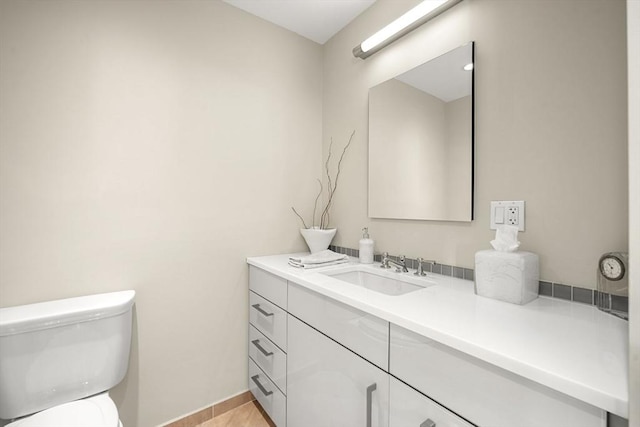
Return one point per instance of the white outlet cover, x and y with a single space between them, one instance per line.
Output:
499 213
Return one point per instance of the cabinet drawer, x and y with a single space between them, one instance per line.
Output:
269 319
408 408
269 358
270 398
363 333
480 392
270 286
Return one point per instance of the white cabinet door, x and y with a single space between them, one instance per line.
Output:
480 392
328 385
408 408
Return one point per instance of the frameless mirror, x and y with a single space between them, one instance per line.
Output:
421 141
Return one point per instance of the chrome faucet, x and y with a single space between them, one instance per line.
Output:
401 264
420 269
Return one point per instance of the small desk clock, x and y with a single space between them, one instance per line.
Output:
612 267
613 284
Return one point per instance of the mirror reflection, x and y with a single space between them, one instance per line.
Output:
421 141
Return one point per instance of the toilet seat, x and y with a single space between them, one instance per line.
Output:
95 411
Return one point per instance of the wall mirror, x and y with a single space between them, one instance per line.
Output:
421 141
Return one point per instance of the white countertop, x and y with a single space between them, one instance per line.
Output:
570 347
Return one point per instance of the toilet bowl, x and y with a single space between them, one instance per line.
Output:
59 359
94 411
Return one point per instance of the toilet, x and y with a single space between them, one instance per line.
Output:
59 359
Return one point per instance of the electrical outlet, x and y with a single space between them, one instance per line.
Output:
507 213
513 215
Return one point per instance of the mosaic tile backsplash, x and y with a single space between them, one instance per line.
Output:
549 289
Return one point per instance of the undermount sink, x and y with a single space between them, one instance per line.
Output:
382 281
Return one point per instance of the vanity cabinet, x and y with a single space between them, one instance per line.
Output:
315 361
268 342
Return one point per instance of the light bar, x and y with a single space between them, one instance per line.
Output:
406 23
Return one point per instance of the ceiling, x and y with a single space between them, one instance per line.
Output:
317 20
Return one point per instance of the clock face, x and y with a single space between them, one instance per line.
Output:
612 267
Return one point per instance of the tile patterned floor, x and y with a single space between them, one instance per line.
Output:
248 415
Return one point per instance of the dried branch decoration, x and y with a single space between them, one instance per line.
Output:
332 186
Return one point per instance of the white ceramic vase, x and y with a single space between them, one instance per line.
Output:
317 239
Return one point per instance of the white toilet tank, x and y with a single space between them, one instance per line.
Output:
59 351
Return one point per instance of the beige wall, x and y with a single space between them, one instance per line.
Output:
153 146
550 127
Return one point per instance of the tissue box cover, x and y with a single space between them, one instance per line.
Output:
507 276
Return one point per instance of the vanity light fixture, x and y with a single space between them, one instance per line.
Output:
408 22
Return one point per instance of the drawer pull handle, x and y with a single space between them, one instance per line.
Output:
261 310
428 423
261 348
260 386
370 391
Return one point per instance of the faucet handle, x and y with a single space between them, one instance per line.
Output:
384 262
420 269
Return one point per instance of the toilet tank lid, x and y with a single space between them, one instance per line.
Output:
52 314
